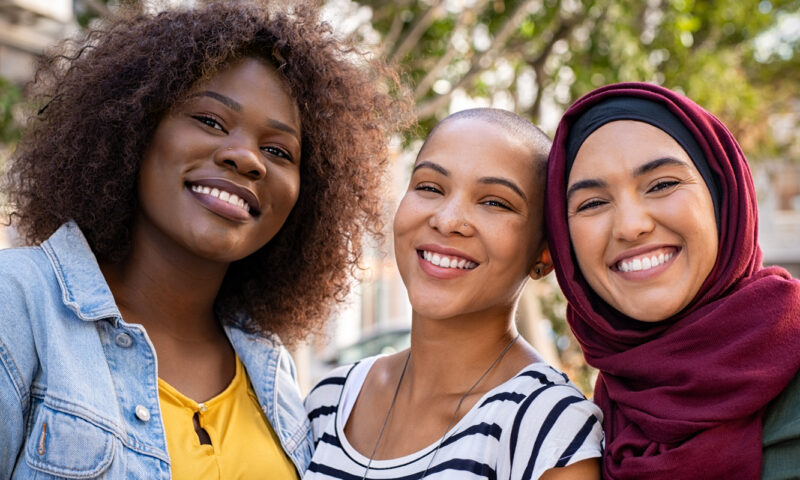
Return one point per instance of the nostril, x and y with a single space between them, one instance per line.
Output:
229 162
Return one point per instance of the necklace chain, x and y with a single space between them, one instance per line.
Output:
452 419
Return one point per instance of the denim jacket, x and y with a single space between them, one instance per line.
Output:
79 385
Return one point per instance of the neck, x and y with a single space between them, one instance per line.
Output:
448 355
162 286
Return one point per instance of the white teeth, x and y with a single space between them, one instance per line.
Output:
637 264
447 262
228 197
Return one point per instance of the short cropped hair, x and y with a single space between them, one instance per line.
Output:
524 130
104 94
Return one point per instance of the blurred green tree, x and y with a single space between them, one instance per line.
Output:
10 96
537 56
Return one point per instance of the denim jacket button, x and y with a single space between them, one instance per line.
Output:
123 340
142 413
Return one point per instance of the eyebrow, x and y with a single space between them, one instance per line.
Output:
227 101
234 105
639 171
484 180
502 181
657 163
584 184
432 166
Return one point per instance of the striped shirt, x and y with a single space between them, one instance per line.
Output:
535 421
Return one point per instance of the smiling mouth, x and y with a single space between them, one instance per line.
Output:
447 261
647 261
225 196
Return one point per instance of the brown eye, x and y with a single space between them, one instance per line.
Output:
209 121
594 203
663 185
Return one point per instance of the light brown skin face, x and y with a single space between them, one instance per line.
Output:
476 173
239 132
471 172
641 220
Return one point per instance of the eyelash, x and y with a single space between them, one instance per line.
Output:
423 187
278 152
658 187
590 204
497 203
492 203
663 185
209 122
213 123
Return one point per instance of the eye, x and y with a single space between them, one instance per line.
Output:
663 185
427 187
278 152
590 205
497 203
209 122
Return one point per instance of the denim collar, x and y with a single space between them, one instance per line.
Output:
83 287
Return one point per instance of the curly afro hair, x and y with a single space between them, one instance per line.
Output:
105 94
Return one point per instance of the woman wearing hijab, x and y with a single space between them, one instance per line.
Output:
652 224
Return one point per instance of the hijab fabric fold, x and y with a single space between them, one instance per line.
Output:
684 398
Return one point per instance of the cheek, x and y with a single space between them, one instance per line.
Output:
404 217
587 242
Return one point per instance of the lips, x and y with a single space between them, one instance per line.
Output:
228 192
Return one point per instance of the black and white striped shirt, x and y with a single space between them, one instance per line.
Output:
531 423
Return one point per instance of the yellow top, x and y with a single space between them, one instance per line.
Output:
243 444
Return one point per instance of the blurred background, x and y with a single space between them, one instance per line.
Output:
740 59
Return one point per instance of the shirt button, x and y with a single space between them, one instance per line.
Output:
202 407
123 340
142 413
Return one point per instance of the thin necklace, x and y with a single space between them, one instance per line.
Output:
452 419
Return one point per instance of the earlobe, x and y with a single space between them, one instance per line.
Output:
543 265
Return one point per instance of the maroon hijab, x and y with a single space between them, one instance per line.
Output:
684 398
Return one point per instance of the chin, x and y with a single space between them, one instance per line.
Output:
650 314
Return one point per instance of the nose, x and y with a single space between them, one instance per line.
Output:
632 219
242 157
451 218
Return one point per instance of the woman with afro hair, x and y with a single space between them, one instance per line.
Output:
193 194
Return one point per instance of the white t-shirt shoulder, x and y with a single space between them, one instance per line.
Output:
535 421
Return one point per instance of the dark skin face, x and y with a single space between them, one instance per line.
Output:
221 143
217 182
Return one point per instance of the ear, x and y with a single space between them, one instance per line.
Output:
543 265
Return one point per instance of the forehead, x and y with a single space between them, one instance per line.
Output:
622 145
254 81
479 146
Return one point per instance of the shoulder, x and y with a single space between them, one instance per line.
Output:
325 395
24 272
781 434
549 422
23 265
27 283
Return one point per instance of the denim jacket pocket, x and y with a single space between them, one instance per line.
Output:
67 446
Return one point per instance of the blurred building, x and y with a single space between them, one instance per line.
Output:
28 27
778 188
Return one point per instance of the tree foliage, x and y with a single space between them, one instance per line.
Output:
537 56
